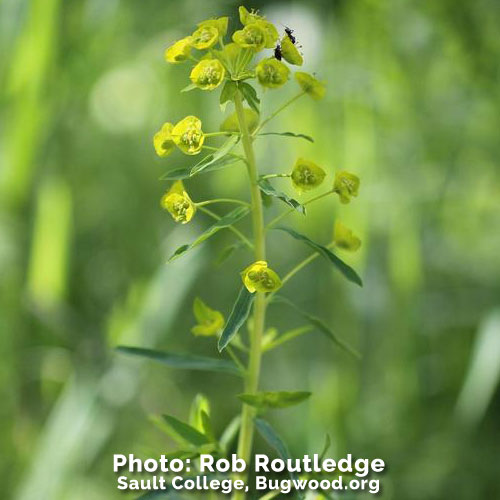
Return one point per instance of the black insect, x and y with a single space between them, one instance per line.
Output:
289 34
277 52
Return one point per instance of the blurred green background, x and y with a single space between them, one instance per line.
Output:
413 107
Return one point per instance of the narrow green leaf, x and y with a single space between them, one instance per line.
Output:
250 95
290 134
319 324
281 399
216 156
226 221
238 316
228 92
189 87
187 172
183 361
345 269
274 441
266 187
208 429
185 431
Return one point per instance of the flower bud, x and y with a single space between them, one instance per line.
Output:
204 37
188 136
259 278
310 85
178 203
220 24
210 321
208 74
346 185
163 141
344 237
272 73
306 175
179 51
252 36
231 123
290 52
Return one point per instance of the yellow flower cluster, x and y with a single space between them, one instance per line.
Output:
178 203
259 278
186 135
306 175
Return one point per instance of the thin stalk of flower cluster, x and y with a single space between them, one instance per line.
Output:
279 110
222 200
237 232
252 378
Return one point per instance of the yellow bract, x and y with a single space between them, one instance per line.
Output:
290 52
270 31
204 37
344 237
220 24
310 85
272 73
260 278
163 141
178 203
231 123
210 321
188 136
179 51
208 74
346 185
252 36
306 175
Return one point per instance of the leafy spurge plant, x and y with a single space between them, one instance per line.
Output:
232 67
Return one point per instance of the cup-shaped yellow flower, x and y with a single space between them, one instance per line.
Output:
344 237
306 175
163 141
205 37
208 74
220 24
210 322
231 123
247 17
252 36
260 278
188 136
179 51
290 52
272 73
178 203
346 185
310 85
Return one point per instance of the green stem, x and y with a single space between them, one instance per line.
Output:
252 379
272 176
278 111
291 210
222 200
237 232
215 134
